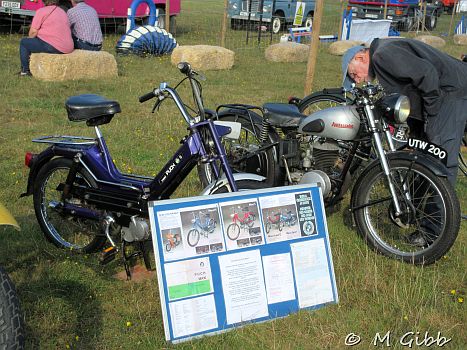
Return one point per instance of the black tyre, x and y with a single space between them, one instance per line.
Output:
268 227
265 163
431 219
233 231
193 237
64 230
277 24
11 319
431 21
168 247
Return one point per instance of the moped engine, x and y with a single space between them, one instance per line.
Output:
137 231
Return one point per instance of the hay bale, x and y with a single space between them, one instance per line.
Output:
80 64
204 57
460 39
339 48
287 52
431 40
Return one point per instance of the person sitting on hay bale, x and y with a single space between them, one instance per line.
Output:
49 33
85 26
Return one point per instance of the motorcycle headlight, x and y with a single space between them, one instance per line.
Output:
402 109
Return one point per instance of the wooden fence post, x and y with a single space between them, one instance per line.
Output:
167 15
310 69
385 13
224 23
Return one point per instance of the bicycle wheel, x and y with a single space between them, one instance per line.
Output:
241 153
233 231
193 237
430 221
65 230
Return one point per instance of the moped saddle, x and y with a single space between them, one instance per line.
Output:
94 109
283 115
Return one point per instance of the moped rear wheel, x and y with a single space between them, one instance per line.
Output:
193 237
233 231
430 221
11 321
65 230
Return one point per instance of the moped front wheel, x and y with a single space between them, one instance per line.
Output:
268 227
193 237
168 247
11 321
430 218
65 230
233 231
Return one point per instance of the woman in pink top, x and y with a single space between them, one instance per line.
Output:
50 33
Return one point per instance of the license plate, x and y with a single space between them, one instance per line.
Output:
371 15
11 4
428 148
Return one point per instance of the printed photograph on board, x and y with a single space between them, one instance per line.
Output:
241 222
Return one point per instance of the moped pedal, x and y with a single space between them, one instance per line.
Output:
108 255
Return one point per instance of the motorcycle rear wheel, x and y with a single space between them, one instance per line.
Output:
265 163
65 231
11 321
429 228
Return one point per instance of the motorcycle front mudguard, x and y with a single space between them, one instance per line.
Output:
224 182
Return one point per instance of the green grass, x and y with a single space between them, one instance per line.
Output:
72 301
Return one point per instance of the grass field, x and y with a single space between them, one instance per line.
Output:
71 301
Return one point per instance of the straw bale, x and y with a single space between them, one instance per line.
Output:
287 52
432 40
460 39
204 57
80 64
339 48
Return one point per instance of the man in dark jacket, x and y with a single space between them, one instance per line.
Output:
435 83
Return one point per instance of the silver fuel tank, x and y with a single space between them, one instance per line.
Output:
340 123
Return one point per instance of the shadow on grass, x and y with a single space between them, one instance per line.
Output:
87 319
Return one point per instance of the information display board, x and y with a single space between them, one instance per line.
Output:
236 258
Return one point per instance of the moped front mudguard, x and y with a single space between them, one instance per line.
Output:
224 182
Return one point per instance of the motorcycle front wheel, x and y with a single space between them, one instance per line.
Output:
193 237
430 221
11 321
243 155
233 231
65 230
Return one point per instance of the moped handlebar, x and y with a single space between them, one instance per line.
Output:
147 97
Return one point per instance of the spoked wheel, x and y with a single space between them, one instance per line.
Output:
430 221
63 229
277 24
233 231
193 237
12 333
268 227
244 154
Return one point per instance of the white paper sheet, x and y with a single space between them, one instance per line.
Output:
192 316
279 278
243 286
311 273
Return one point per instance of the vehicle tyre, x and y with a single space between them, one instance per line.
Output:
268 227
251 220
11 320
193 237
277 23
168 247
64 230
233 231
309 20
264 164
431 21
409 238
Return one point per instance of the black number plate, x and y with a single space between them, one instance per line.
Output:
428 148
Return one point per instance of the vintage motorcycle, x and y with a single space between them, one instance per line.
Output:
173 241
273 220
401 201
289 218
83 202
12 332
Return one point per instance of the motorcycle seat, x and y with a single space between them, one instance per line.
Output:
283 115
94 109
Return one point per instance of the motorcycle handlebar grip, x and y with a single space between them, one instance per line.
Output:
184 67
146 97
